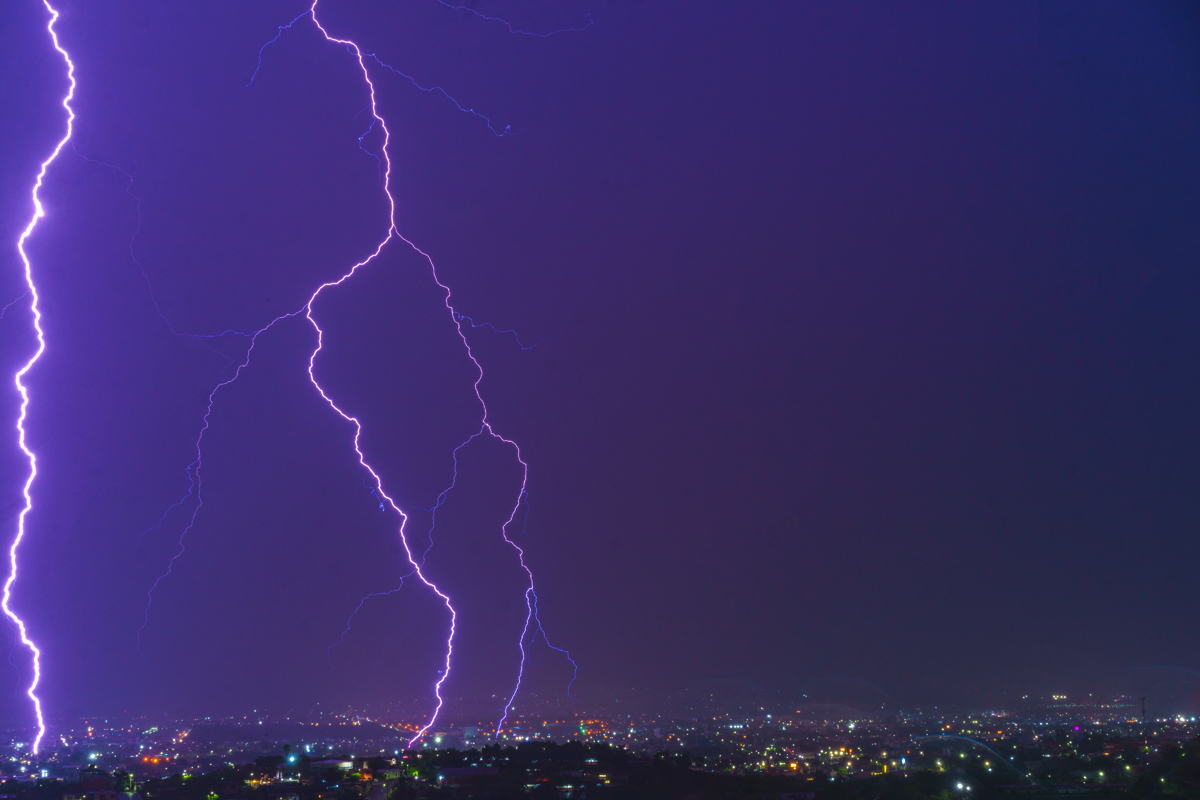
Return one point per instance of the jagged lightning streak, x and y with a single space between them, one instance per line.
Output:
458 319
486 426
392 233
38 212
531 607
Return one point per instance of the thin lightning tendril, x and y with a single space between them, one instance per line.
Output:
353 614
201 337
507 128
142 268
194 474
382 507
511 29
12 303
494 329
38 212
507 131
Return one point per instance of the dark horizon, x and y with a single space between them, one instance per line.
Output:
844 342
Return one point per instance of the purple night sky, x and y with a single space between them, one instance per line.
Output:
867 348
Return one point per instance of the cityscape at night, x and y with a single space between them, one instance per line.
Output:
599 399
1092 745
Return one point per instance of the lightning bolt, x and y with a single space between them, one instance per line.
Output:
38 213
531 608
195 468
486 426
532 621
